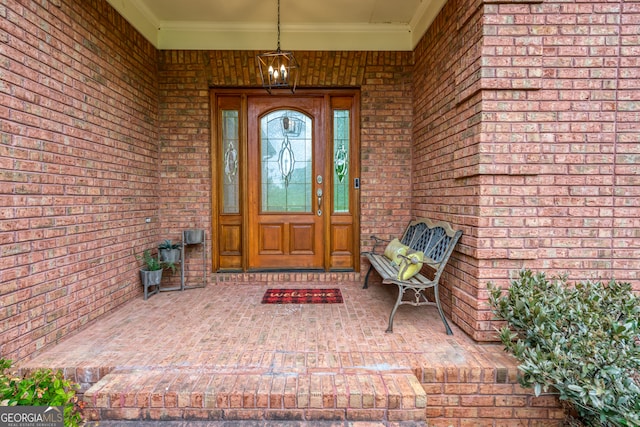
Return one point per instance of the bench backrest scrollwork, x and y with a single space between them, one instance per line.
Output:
435 239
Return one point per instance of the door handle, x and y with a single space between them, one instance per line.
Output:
319 196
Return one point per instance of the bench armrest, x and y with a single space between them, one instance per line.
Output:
377 241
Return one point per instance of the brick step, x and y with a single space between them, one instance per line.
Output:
294 279
198 394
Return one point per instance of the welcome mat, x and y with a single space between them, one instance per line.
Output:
302 296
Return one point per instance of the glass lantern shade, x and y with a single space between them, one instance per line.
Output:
278 70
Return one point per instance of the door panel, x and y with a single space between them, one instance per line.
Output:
271 240
342 246
230 239
302 238
285 157
341 239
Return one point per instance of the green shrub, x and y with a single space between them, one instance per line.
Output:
581 342
41 387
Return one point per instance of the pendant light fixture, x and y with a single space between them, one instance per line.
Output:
278 69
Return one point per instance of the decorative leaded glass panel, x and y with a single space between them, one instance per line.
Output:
287 160
341 160
230 158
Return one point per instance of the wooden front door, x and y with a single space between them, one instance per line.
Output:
285 177
285 183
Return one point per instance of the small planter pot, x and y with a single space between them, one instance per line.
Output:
150 278
192 237
169 255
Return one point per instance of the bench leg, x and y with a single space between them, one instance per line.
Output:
366 278
395 308
401 291
444 320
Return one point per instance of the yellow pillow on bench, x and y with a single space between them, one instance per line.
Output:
411 266
393 251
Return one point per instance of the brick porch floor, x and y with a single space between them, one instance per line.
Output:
217 353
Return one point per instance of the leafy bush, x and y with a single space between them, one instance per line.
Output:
41 387
581 342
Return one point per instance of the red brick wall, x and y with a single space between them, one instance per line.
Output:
184 182
485 397
526 136
387 110
78 166
447 126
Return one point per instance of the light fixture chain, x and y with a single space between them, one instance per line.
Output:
278 25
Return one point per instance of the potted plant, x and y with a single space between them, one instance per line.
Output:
151 272
169 251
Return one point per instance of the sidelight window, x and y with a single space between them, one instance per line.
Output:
230 142
341 128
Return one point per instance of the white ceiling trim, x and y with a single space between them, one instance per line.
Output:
179 35
292 37
142 19
424 17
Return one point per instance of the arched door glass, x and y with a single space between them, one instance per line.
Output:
287 162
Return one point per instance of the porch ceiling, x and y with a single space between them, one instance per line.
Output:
305 25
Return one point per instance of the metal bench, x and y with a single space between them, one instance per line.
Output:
437 241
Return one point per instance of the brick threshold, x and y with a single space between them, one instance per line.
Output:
175 393
289 278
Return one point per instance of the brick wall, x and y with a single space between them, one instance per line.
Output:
447 127
385 203
184 184
78 166
485 397
526 137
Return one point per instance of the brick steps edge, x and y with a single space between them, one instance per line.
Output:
192 394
